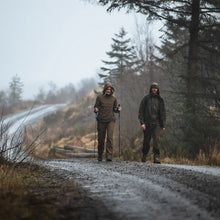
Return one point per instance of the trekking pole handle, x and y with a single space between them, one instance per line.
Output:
96 110
118 107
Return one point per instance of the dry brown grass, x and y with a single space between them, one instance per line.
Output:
28 191
11 181
15 186
213 159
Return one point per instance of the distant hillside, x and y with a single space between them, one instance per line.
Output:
73 125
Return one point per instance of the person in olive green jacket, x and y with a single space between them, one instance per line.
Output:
152 117
106 106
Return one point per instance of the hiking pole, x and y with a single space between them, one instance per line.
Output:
119 131
95 132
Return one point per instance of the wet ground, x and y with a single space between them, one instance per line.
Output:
133 190
30 192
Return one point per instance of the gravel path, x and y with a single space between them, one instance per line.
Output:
133 190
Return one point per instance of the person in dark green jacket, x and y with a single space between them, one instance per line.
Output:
152 117
106 106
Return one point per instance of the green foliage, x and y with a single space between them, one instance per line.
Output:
195 127
130 69
122 59
191 53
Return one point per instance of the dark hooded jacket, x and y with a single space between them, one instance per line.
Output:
152 110
107 105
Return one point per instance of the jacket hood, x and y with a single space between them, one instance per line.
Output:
155 85
108 84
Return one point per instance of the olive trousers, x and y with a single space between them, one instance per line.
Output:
103 128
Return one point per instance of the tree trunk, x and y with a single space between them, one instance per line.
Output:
193 57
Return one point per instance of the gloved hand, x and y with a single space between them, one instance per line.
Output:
96 109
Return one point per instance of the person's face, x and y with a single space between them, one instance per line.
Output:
108 91
154 90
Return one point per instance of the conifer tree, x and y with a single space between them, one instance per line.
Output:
16 90
121 59
189 14
199 131
195 58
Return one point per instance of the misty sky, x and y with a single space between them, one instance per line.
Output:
62 41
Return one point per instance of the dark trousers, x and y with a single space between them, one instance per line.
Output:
151 131
104 128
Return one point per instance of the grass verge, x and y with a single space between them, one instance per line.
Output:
33 192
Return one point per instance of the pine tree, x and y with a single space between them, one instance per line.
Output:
198 131
16 90
188 14
122 59
195 58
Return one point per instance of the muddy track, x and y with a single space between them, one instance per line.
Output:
133 190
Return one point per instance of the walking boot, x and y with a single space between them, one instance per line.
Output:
143 159
99 157
108 156
156 160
